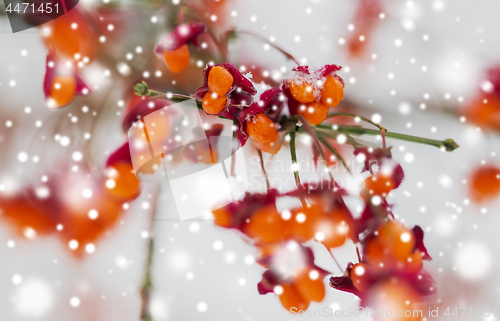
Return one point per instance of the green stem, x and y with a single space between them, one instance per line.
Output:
293 154
235 147
312 133
141 89
334 152
357 116
383 130
333 134
448 144
351 140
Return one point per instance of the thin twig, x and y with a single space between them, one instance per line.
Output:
147 283
263 167
333 257
284 52
358 253
293 154
223 52
334 152
382 128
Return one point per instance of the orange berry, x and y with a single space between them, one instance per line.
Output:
314 112
261 128
303 92
159 127
376 253
332 92
359 276
220 80
178 59
305 222
309 284
85 230
414 262
268 250
291 298
213 104
271 147
398 239
334 229
62 91
484 111
379 184
68 41
485 183
266 225
398 296
222 217
121 181
23 216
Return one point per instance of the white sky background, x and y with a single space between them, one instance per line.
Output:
190 266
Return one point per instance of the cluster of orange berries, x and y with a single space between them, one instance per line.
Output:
299 284
390 276
220 81
391 247
60 208
225 91
229 94
484 109
390 271
328 222
387 175
314 92
392 255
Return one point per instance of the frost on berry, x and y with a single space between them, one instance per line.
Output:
306 92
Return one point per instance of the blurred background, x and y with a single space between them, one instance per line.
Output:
426 68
